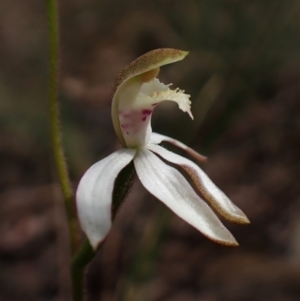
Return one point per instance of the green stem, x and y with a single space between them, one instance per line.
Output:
79 263
61 165
54 117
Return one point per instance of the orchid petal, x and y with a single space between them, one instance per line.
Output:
211 193
94 194
158 138
169 185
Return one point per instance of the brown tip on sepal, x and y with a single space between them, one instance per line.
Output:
228 243
196 156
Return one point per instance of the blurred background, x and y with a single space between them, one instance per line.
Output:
243 74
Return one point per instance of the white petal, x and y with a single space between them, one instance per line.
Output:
216 198
168 185
94 194
158 138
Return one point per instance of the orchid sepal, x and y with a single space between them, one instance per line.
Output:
94 194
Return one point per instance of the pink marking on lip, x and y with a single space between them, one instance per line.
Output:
124 126
146 112
144 118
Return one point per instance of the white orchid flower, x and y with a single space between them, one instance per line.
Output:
137 91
